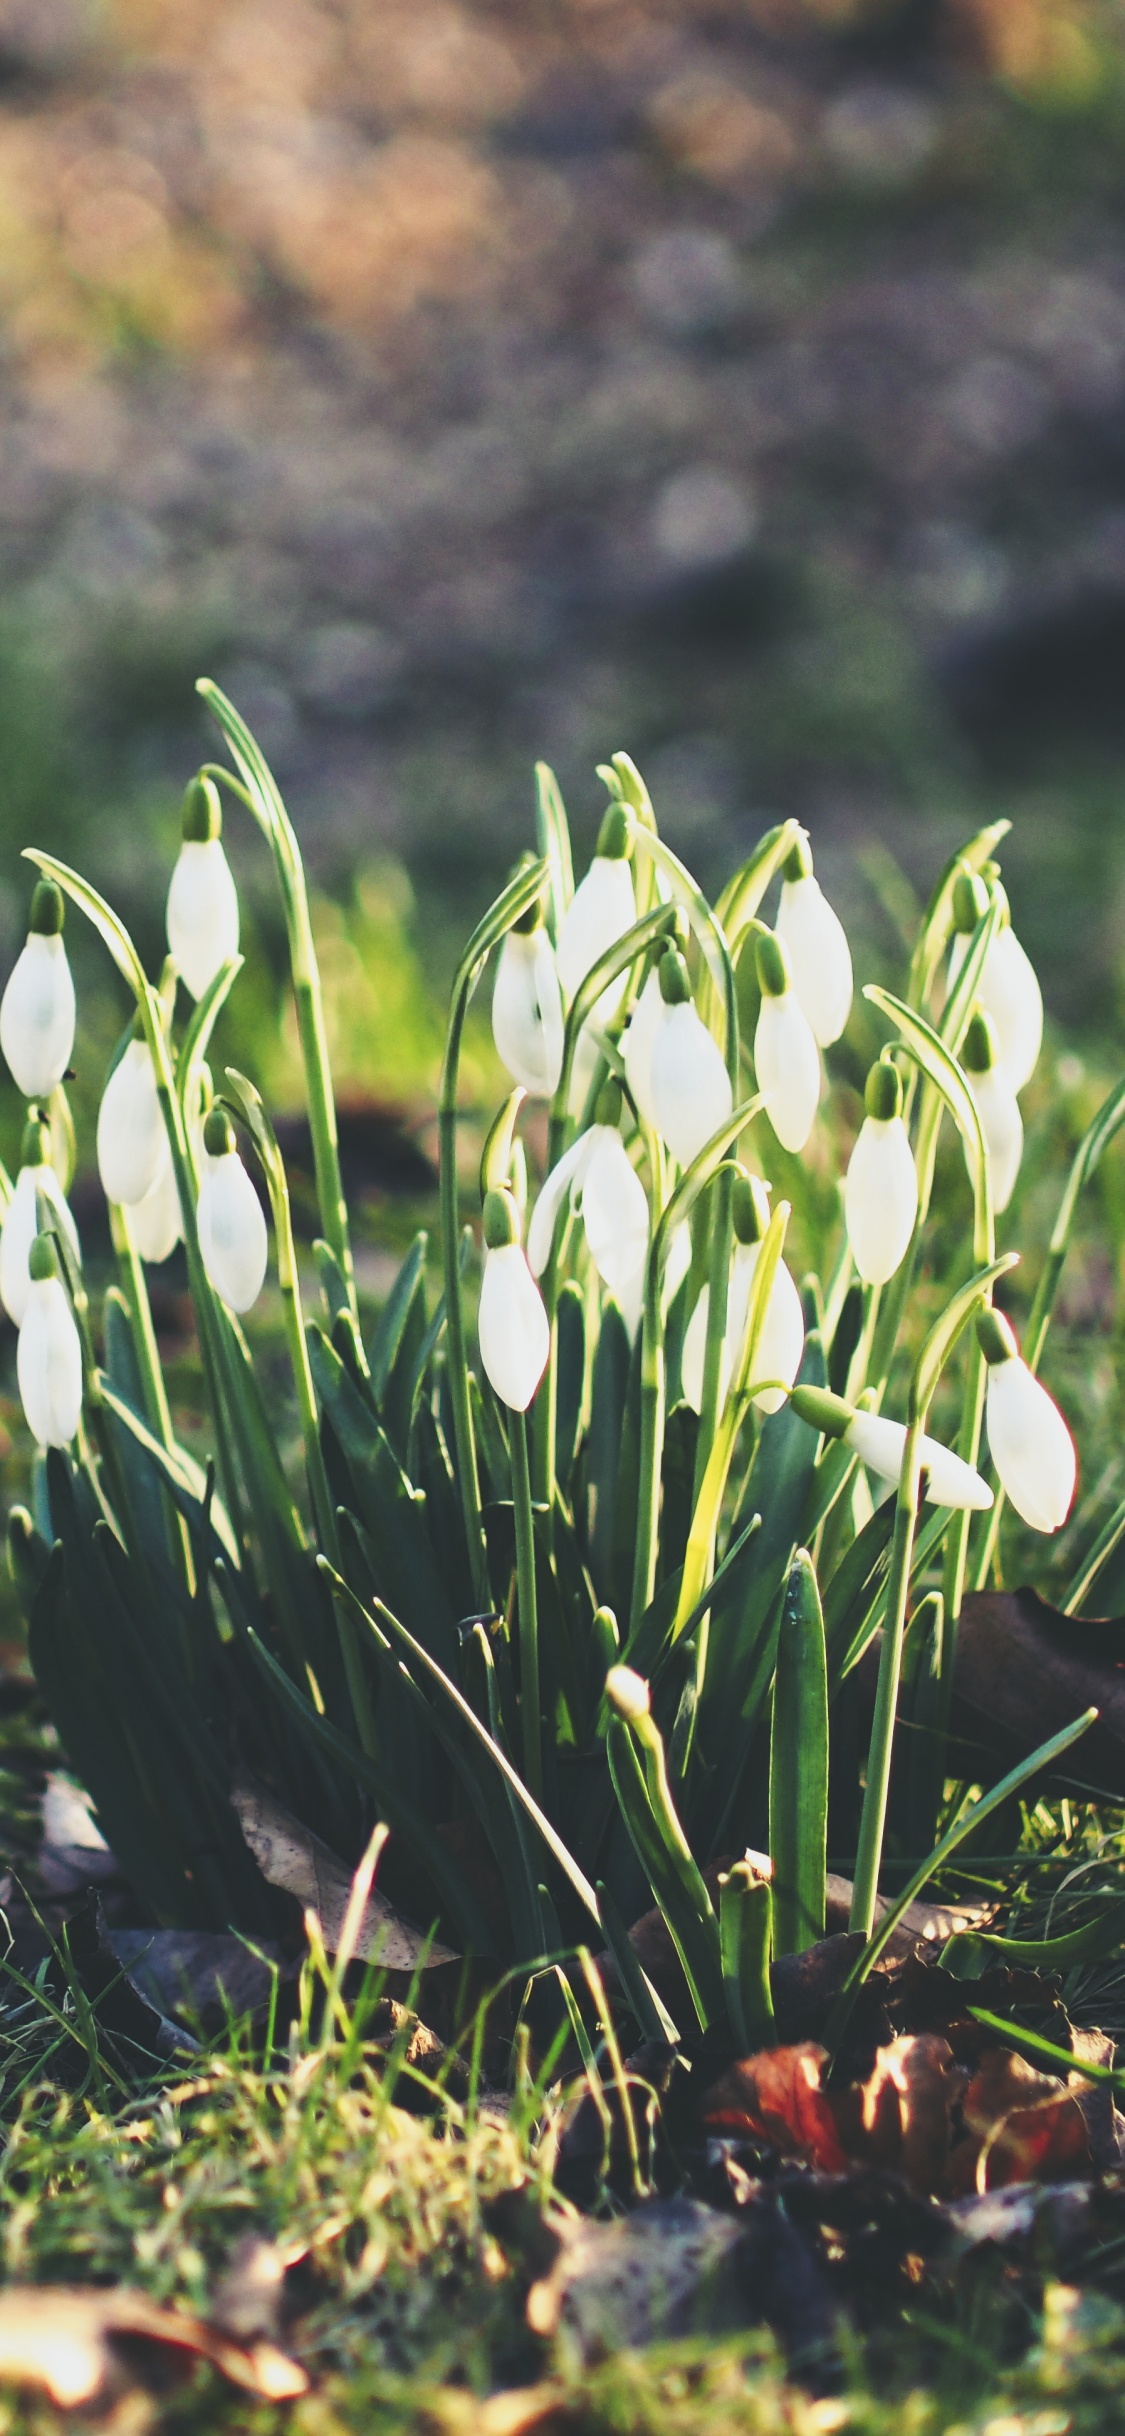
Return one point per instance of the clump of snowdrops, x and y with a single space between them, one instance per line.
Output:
576 1598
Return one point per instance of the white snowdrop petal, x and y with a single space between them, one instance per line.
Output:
1002 1126
232 1231
1030 1445
881 1444
880 1198
787 1065
691 1093
37 1015
615 1215
1009 991
158 1219
512 1327
819 956
562 1179
202 917
637 1043
601 910
781 1342
527 1016
49 1364
19 1230
131 1140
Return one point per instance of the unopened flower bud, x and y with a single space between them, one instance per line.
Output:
203 926
36 1179
37 1011
131 1140
628 1693
1029 1442
881 1187
786 1058
819 956
232 1230
49 1352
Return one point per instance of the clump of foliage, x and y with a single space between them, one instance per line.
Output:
583 1615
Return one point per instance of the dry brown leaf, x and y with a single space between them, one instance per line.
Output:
906 2108
778 2096
666 2269
291 1857
1001 2082
80 2346
1044 2143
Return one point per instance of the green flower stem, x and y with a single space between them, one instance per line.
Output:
157 1409
273 819
698 1555
510 904
155 1394
927 1371
1110 1116
652 1355
528 1610
720 968
874 1816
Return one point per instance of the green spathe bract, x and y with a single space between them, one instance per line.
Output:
545 1650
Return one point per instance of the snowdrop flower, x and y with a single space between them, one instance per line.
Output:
602 1183
158 1221
881 1445
21 1218
1028 1440
997 1107
601 910
49 1354
202 899
881 1186
781 1341
37 1011
513 1330
132 1143
690 1087
1008 989
786 1058
814 941
527 1015
232 1230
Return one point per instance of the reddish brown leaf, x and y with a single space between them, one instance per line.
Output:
778 2096
903 2119
1044 2143
1001 2082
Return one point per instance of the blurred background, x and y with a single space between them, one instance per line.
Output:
741 382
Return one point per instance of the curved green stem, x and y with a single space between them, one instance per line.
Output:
509 905
528 1607
265 802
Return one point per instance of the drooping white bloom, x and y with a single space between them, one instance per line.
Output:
689 1084
786 1058
131 1140
637 1043
602 909
817 948
49 1354
37 1011
232 1230
1009 992
605 1188
513 1330
21 1221
881 1445
881 1186
202 913
1028 1440
158 1221
527 1015
997 1107
781 1340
